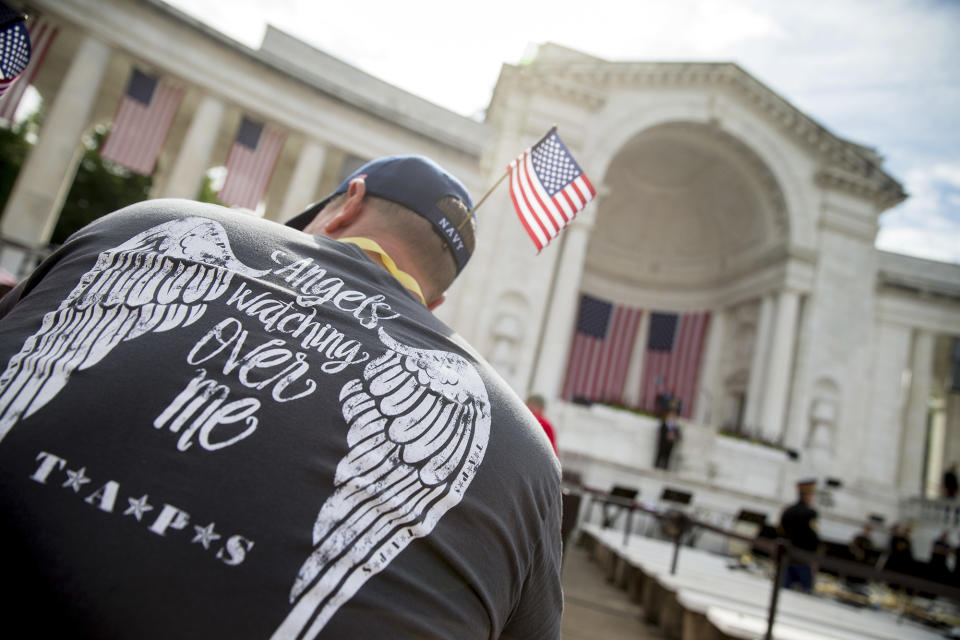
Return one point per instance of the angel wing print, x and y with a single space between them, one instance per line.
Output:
159 280
419 421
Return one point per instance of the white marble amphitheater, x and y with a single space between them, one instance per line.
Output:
714 194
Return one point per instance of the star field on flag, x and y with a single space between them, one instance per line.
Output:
14 46
142 122
41 34
548 188
250 163
600 353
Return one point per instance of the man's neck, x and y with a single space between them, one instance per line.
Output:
379 255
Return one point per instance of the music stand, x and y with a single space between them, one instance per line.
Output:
674 498
620 497
747 523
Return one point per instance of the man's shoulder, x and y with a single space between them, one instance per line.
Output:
161 208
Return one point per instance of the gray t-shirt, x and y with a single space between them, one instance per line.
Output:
215 426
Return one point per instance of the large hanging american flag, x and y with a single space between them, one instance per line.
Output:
141 124
41 35
672 358
250 163
601 349
548 188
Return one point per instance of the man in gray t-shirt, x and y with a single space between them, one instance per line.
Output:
213 425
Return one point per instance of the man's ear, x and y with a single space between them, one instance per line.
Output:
351 208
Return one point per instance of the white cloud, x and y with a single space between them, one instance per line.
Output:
921 243
928 223
947 173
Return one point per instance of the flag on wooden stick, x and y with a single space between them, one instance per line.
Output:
142 122
601 349
14 46
250 163
548 188
41 34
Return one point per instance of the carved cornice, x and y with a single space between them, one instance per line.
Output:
535 81
585 80
877 186
931 277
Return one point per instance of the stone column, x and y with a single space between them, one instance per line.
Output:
935 451
193 160
878 458
562 314
915 418
709 389
631 393
303 183
48 172
761 348
780 366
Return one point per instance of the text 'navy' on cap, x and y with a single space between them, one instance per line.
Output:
421 185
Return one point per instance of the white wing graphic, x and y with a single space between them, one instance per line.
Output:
158 280
419 421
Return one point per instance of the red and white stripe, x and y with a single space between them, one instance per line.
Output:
42 34
680 367
543 216
249 170
139 130
6 82
597 368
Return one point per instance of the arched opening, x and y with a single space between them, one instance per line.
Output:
690 220
686 206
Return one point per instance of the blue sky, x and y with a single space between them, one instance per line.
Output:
883 73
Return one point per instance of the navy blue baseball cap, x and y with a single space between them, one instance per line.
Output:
421 185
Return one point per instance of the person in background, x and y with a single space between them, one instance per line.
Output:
900 552
950 483
668 435
862 547
862 550
940 552
798 524
537 406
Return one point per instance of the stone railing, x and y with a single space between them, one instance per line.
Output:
628 441
940 513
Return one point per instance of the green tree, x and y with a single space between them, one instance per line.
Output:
207 193
98 188
15 145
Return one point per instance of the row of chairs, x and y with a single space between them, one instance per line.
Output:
618 506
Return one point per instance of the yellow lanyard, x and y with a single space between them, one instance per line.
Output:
407 280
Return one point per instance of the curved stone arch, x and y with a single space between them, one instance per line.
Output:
711 211
623 120
735 152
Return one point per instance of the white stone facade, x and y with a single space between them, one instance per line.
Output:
713 194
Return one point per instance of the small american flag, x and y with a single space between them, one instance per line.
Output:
14 46
250 163
601 349
41 35
141 124
548 188
672 359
